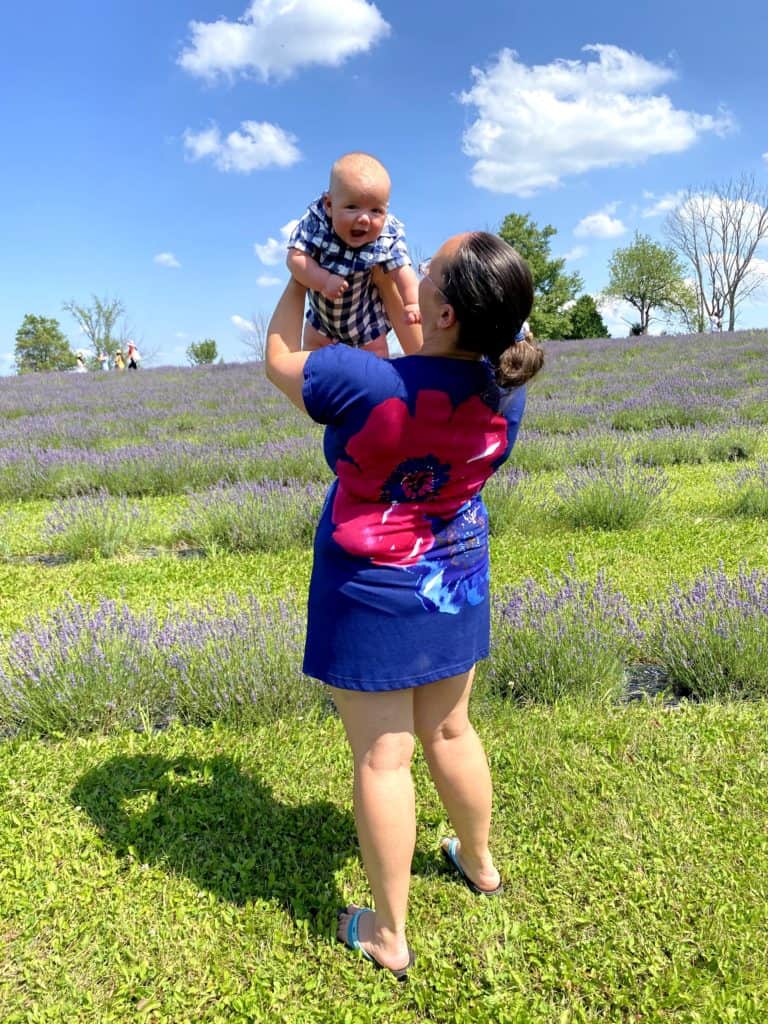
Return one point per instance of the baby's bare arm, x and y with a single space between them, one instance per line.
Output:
407 284
307 271
408 333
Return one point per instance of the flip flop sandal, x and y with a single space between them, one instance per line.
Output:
353 942
450 853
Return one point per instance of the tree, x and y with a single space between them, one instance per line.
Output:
718 233
98 323
41 345
254 335
586 321
554 289
649 277
201 353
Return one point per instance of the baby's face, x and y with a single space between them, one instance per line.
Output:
358 209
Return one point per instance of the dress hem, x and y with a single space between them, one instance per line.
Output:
371 686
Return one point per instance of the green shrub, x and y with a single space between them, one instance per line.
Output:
93 526
712 638
568 640
613 495
263 516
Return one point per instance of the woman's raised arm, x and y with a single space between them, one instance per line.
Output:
284 360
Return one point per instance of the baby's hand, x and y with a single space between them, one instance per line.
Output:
412 313
335 287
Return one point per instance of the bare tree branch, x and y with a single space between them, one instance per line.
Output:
718 232
253 335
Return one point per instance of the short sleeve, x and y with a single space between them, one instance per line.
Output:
308 234
397 247
339 379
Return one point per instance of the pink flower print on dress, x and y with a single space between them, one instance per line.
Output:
403 471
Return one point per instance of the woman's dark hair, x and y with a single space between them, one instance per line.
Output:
490 287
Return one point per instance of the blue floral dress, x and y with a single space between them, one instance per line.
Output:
399 590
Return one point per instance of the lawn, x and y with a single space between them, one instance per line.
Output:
194 875
175 825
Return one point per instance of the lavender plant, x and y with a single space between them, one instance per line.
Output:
263 516
87 669
609 495
566 640
508 499
747 492
712 638
94 526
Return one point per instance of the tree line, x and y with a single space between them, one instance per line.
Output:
41 345
698 280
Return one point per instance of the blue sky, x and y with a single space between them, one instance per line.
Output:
155 151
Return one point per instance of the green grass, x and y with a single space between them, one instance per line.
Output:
194 876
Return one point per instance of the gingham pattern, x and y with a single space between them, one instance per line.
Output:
359 315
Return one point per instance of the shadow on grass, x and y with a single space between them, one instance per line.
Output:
220 827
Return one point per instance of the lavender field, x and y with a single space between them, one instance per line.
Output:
128 503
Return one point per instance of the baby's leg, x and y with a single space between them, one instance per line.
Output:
313 339
378 346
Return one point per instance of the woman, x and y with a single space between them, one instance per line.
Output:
399 600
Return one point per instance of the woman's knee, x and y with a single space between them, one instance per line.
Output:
454 727
388 752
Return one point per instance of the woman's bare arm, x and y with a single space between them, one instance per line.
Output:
284 360
409 335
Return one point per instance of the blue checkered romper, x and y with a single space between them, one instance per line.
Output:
358 316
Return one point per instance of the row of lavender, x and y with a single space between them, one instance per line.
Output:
713 377
609 495
659 401
176 467
240 661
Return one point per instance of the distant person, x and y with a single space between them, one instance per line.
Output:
133 356
119 361
103 359
340 250
399 598
80 366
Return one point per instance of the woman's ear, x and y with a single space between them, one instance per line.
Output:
447 315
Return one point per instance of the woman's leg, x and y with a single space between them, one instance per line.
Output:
379 728
459 768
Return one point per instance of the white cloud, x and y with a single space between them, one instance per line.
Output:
258 145
166 259
274 38
617 315
600 225
538 124
575 253
181 334
247 326
765 157
272 251
265 281
6 357
663 204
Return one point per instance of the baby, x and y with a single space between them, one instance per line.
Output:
338 249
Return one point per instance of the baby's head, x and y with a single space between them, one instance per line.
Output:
357 198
